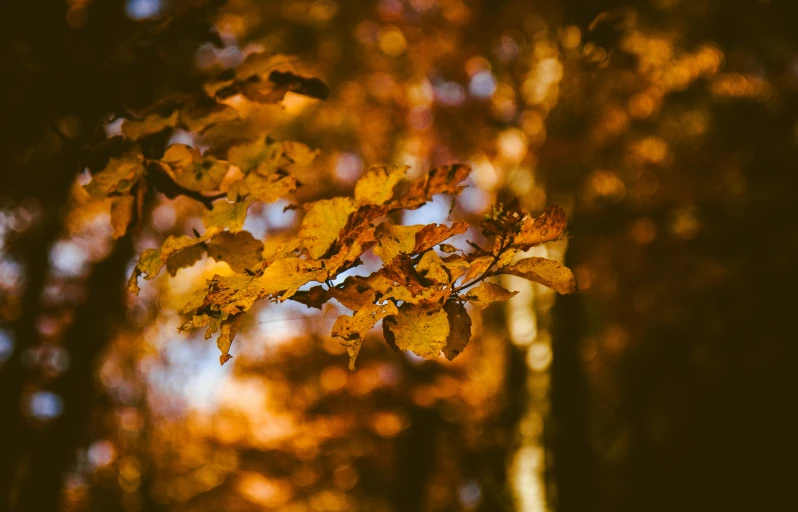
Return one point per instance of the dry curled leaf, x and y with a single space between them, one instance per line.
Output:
432 234
546 227
459 330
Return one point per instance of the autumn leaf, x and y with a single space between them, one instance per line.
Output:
353 329
459 330
266 79
263 188
153 260
478 266
418 329
199 117
227 215
486 294
229 328
149 124
441 180
118 176
323 222
281 279
122 210
316 297
546 272
354 293
431 267
432 234
456 265
393 240
192 170
239 250
184 258
548 226
376 185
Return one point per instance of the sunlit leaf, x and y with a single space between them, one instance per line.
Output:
431 267
353 329
229 328
118 176
280 279
192 170
548 226
441 180
355 293
546 272
239 250
263 188
393 240
432 234
418 329
376 185
323 222
227 215
487 293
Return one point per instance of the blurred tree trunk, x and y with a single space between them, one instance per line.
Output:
54 447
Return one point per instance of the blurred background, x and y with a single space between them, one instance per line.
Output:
666 128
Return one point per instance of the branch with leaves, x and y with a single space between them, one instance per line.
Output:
423 285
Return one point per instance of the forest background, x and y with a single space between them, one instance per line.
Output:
665 128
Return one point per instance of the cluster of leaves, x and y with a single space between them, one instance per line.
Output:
419 292
129 166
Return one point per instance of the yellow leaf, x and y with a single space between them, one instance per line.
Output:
393 240
192 170
264 154
548 226
457 266
282 278
225 340
152 261
323 222
418 329
431 267
263 188
355 293
353 329
459 330
118 176
546 272
122 209
377 184
486 294
240 250
151 123
184 258
433 234
478 267
227 215
197 118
